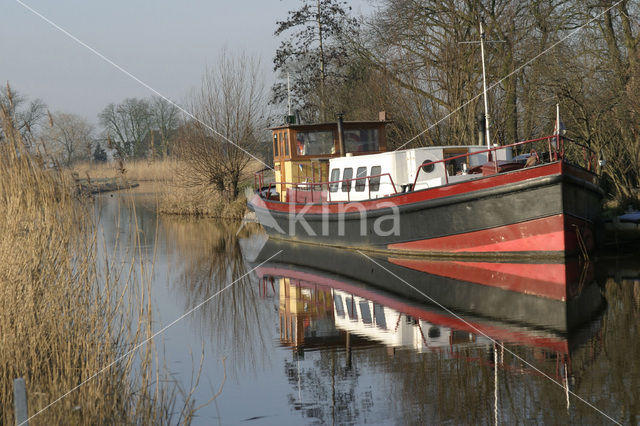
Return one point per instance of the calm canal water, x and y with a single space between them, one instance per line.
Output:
305 338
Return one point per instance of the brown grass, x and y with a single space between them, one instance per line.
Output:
205 202
177 198
63 317
137 171
180 198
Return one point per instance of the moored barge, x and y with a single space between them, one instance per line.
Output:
337 185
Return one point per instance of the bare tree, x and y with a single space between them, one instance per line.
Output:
165 120
27 115
127 126
70 138
416 45
230 107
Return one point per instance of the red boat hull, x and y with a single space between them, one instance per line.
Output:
551 209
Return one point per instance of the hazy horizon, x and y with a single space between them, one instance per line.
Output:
165 44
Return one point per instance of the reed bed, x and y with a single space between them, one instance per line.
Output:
177 196
200 201
65 317
186 196
161 170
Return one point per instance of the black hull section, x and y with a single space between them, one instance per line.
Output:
465 215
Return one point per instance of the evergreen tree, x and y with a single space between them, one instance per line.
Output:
99 154
314 55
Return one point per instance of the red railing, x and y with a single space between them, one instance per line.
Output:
325 186
555 150
555 146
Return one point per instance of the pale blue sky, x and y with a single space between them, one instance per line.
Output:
165 43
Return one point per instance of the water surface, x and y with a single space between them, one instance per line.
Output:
300 344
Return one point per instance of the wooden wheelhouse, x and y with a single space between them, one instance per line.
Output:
301 152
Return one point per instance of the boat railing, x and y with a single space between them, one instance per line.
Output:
555 149
329 187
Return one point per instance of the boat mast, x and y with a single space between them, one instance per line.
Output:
557 129
289 93
484 87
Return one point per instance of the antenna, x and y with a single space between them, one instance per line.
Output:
289 93
484 78
484 87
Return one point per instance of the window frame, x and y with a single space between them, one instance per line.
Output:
374 182
361 181
285 137
276 147
346 181
333 187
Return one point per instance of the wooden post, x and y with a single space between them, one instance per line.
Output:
20 402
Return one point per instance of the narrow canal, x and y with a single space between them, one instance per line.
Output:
304 338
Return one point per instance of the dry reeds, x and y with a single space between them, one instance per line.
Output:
196 201
137 171
62 318
183 197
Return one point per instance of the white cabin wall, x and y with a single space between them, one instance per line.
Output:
478 159
503 154
402 166
434 178
388 161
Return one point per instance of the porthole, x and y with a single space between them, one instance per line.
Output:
428 166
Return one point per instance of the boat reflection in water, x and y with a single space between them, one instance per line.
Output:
331 297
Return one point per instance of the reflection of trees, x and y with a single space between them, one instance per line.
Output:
603 369
326 391
210 259
609 365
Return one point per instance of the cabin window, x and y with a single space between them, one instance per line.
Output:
286 144
374 182
315 143
347 174
337 303
365 312
361 140
457 165
276 152
378 314
361 173
335 176
351 309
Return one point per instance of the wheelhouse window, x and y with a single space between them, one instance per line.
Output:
315 142
335 176
276 152
346 184
374 182
361 174
286 144
361 140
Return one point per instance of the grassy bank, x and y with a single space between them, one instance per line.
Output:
189 201
64 316
176 197
182 197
